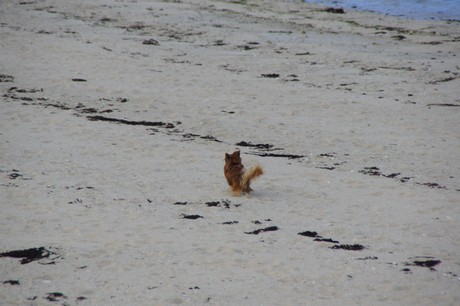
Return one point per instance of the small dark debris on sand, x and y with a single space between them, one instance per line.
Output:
191 217
399 37
54 296
180 203
442 80
261 230
23 90
6 78
330 154
14 175
406 271
288 156
321 239
246 47
150 42
211 138
191 136
432 185
443 104
309 234
270 75
317 237
29 255
12 282
221 203
219 42
375 171
79 80
264 146
230 222
334 10
348 247
326 168
167 125
368 258
427 262
212 203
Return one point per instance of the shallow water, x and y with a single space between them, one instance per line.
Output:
414 9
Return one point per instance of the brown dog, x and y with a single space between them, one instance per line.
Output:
239 179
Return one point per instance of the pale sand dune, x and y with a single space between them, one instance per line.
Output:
368 104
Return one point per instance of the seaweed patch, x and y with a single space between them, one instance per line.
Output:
288 156
167 125
29 255
264 146
191 217
309 234
317 237
12 282
348 247
426 262
262 230
55 296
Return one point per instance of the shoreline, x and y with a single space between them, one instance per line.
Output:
411 11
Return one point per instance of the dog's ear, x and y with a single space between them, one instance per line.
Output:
227 156
236 153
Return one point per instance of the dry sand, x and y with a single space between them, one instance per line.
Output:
356 117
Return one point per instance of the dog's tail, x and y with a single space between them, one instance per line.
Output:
249 175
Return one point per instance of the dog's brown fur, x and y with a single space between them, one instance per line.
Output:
239 179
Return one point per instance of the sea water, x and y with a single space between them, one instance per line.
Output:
414 9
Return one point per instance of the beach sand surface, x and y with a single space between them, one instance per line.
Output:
115 118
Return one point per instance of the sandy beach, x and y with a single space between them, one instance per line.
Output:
116 116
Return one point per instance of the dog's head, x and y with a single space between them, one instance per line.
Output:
233 159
